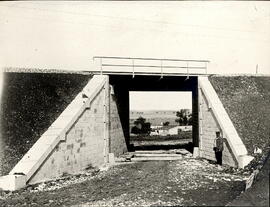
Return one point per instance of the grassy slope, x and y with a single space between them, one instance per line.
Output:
247 101
30 103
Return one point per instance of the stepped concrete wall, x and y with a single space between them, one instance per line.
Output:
208 134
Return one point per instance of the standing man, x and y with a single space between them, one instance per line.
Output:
218 147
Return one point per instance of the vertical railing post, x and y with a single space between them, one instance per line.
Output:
133 73
101 69
161 68
187 70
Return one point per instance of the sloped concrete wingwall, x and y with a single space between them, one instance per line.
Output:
209 126
81 137
29 104
83 147
213 117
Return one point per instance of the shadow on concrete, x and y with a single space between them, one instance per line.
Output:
122 85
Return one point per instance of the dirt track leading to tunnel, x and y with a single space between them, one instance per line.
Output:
156 183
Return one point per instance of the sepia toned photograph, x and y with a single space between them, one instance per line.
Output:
134 103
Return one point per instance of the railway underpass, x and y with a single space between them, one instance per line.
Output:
94 128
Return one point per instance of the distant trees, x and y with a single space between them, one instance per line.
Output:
141 126
167 123
184 117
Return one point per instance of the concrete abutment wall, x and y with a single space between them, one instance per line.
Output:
208 134
117 140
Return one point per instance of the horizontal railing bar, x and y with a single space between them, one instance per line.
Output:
136 58
144 73
152 66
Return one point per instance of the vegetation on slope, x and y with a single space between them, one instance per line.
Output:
30 104
247 100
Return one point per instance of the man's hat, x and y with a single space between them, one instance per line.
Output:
218 133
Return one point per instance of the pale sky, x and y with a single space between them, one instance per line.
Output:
234 35
153 100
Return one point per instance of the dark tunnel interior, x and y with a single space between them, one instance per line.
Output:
123 84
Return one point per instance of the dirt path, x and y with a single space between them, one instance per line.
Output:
158 183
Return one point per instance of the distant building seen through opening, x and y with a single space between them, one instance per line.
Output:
160 117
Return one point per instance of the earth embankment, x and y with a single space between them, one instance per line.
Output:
30 103
247 100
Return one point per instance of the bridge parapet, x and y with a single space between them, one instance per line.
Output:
148 66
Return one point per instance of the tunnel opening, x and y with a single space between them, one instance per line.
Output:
123 85
160 120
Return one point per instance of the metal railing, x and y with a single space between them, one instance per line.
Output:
186 66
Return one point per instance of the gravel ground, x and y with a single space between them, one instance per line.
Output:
155 183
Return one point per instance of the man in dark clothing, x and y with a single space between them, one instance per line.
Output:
218 147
